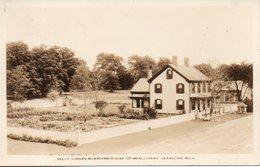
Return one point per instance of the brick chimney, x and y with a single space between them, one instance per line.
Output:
149 74
186 61
175 60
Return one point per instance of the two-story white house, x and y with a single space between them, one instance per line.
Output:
174 89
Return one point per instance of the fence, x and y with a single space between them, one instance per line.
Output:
88 137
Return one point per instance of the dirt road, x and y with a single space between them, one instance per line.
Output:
227 134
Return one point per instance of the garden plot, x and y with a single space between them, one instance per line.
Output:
62 121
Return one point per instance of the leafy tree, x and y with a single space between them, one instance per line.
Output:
110 81
17 53
205 69
242 76
80 79
126 79
67 65
47 68
163 61
17 83
139 66
106 71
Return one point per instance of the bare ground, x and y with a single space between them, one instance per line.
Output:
229 134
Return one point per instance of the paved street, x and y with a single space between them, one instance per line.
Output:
227 134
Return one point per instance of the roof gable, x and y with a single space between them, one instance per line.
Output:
188 73
141 86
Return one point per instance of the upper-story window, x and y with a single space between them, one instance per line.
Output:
180 88
203 87
158 104
158 88
180 104
169 74
198 87
192 87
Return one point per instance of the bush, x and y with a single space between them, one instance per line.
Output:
53 95
249 104
152 113
101 105
122 109
24 137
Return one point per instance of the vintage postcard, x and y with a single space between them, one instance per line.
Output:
129 82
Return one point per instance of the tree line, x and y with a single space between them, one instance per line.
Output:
34 72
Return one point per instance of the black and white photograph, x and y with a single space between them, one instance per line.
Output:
130 82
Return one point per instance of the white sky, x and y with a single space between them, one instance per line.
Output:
202 33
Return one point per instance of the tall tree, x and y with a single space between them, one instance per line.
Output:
242 76
47 68
80 80
205 69
17 82
126 79
67 64
163 61
106 70
139 66
18 53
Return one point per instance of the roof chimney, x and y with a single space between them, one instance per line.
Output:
175 60
186 61
149 73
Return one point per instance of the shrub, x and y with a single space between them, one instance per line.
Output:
24 137
152 113
122 110
249 103
52 95
9 107
101 105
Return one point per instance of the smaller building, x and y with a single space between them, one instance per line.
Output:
140 94
228 93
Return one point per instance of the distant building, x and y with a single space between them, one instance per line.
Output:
228 93
174 89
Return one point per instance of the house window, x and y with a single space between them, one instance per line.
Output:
209 87
226 97
235 97
158 104
139 103
158 88
208 103
193 88
198 87
203 87
193 105
180 88
198 104
203 105
180 104
169 74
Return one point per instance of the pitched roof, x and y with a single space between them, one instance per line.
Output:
189 73
141 86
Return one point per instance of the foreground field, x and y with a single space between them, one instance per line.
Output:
230 134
